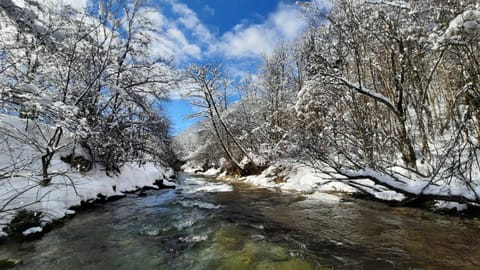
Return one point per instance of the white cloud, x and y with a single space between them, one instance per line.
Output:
184 36
286 23
170 41
155 16
289 22
189 19
174 44
185 46
247 41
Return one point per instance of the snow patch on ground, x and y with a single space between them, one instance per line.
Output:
442 205
168 183
294 177
32 231
21 149
211 172
194 185
71 189
297 177
389 195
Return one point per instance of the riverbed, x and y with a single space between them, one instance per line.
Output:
207 224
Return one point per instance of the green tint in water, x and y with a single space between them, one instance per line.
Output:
232 247
204 225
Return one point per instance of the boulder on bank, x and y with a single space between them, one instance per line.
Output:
23 221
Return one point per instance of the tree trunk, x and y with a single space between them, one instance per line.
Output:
406 147
50 151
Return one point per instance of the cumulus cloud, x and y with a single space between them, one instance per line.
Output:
286 23
189 19
182 34
169 41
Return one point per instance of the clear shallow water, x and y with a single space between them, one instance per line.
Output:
210 225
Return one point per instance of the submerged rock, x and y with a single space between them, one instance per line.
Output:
9 263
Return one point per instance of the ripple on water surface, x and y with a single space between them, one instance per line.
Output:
205 224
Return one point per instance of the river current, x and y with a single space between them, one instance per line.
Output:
206 224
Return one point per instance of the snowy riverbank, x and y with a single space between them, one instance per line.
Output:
288 176
22 186
54 201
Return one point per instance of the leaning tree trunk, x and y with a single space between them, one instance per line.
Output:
217 133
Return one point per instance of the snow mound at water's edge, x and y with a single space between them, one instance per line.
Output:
65 191
290 176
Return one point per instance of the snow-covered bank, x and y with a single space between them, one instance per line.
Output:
315 185
23 144
294 177
289 177
65 191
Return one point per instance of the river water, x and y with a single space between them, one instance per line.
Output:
205 224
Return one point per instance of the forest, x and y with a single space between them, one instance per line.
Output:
375 97
366 120
380 90
79 93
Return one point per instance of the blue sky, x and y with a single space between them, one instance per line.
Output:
234 32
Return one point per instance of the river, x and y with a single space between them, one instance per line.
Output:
206 224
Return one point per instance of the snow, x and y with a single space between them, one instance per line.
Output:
32 231
399 4
463 27
451 206
291 177
389 195
212 172
168 183
68 188
191 169
194 185
366 91
395 180
468 21
297 177
294 177
19 3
